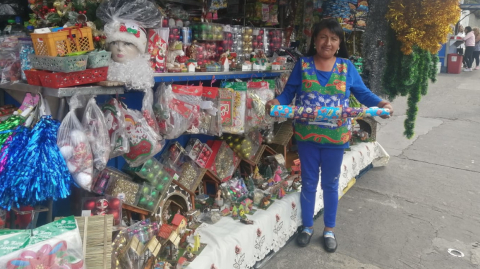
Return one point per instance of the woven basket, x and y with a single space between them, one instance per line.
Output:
98 59
59 64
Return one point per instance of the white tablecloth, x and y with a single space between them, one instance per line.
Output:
231 244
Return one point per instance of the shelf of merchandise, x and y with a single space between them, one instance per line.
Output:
202 76
62 92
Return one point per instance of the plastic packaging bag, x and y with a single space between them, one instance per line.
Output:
173 115
144 142
144 12
210 94
54 245
11 66
258 94
233 105
115 122
147 110
75 148
97 133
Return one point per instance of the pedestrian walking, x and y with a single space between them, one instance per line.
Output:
469 47
476 52
324 78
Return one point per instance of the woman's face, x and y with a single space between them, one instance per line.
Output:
327 43
123 52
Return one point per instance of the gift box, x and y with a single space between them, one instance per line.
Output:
173 158
103 205
121 186
189 175
223 161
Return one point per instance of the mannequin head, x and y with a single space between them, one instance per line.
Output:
123 51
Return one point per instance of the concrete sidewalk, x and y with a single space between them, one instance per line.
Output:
427 200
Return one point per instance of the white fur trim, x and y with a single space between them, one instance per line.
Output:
113 33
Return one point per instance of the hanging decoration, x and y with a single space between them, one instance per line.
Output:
422 23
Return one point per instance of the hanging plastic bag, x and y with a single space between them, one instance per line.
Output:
115 122
210 94
144 142
54 245
147 110
11 66
233 97
191 96
173 115
95 126
258 94
75 147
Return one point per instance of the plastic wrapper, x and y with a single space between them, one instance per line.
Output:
174 112
75 147
173 158
144 12
11 66
26 48
120 185
235 189
233 97
95 126
211 94
144 142
102 206
157 48
128 247
258 94
115 121
153 171
54 245
319 113
147 111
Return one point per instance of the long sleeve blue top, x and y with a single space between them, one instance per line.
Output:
354 85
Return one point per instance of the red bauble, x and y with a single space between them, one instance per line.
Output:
115 214
100 213
200 49
101 204
177 37
200 56
89 205
260 32
255 43
114 203
259 37
97 39
229 35
175 30
220 49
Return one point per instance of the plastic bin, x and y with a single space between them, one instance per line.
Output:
63 42
59 64
60 80
454 63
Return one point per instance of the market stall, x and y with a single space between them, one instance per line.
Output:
148 124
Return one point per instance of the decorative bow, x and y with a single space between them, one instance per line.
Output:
135 32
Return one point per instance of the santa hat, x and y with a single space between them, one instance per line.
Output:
127 32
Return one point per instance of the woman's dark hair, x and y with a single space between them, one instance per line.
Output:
468 29
333 26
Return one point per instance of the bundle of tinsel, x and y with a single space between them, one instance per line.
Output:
32 167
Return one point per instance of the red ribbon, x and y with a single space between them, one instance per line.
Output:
70 31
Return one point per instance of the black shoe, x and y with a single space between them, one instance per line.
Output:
329 242
303 239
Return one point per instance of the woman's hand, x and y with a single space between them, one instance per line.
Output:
386 105
269 104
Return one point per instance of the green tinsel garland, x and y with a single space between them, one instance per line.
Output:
408 75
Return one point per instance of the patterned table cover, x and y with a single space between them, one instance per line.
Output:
231 244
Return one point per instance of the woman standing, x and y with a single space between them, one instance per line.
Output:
324 78
476 52
469 47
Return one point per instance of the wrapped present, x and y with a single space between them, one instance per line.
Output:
325 113
121 186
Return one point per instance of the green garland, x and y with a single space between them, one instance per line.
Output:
408 75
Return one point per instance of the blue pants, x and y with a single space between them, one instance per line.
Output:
312 158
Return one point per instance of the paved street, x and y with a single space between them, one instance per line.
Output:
427 200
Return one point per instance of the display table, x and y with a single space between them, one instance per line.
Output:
231 244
